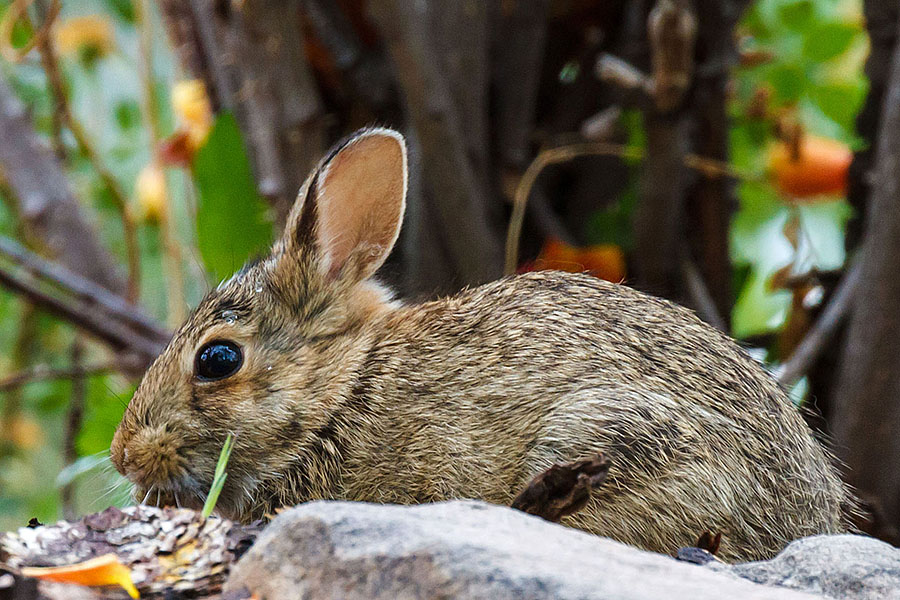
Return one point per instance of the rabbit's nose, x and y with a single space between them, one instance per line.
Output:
149 457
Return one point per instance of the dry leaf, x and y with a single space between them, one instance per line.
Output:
100 571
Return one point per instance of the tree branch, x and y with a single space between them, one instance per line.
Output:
250 55
47 373
86 305
699 295
83 289
461 203
817 338
46 202
86 146
88 318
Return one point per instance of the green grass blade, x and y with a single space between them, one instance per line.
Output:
218 478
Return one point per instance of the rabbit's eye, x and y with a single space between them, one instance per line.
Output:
218 359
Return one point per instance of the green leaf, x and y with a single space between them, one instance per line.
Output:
822 225
840 101
124 9
757 310
232 219
827 40
219 477
757 232
128 114
789 81
797 15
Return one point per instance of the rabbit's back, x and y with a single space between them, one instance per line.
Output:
473 395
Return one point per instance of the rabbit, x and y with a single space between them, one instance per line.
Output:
334 389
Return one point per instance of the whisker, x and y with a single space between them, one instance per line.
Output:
144 501
115 395
177 501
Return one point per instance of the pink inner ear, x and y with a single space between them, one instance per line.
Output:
360 200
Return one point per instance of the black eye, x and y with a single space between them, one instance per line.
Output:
218 359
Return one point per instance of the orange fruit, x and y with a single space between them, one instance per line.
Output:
605 261
818 167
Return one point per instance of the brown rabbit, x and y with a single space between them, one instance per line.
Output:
334 390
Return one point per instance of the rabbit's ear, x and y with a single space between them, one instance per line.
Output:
349 214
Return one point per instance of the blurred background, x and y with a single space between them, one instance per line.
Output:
737 156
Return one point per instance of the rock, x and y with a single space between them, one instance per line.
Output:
845 567
462 549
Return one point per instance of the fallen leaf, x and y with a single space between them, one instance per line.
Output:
103 570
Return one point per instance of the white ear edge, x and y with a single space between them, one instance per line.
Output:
384 246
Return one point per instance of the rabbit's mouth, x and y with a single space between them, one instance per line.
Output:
183 494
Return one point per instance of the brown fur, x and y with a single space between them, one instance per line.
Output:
346 394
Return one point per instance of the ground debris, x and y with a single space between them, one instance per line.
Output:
169 551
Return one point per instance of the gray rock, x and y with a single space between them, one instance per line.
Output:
846 567
463 549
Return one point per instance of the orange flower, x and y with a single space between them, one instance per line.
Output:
816 166
193 109
605 261
89 37
150 190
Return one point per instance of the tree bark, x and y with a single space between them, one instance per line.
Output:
711 202
866 418
459 198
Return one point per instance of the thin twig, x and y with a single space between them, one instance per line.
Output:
699 294
18 11
20 354
50 62
812 345
74 419
46 373
82 288
51 216
705 166
172 254
544 159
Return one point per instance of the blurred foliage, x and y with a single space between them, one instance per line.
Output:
801 72
228 232
217 216
811 56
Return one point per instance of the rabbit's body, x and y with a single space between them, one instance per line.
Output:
342 393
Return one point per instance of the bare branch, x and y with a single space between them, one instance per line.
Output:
250 55
699 294
167 231
83 289
366 70
46 202
614 70
519 32
50 62
815 341
47 373
87 317
672 30
460 202
74 419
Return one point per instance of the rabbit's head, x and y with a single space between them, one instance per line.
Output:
263 355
